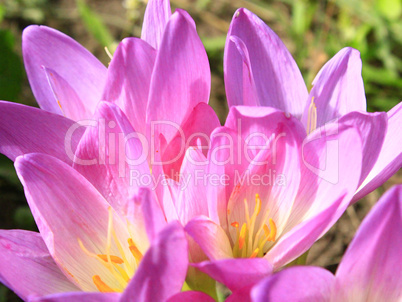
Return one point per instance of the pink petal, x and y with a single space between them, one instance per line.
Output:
111 156
338 88
278 80
66 207
26 129
224 158
300 283
210 237
181 77
241 295
301 237
236 273
80 297
45 47
163 269
371 267
129 78
195 130
372 128
274 174
332 164
331 168
193 296
27 267
243 91
70 104
157 15
390 158
144 209
192 200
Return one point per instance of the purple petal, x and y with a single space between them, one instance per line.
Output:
70 104
301 237
243 91
129 78
338 88
181 77
27 267
157 15
277 78
274 174
66 207
241 295
372 128
110 155
45 47
80 297
145 208
26 130
371 267
236 273
330 174
210 237
390 158
302 284
195 131
163 269
193 296
192 200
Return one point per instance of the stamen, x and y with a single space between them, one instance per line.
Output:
312 117
134 250
242 235
257 203
235 224
255 253
114 259
109 54
128 267
272 226
101 286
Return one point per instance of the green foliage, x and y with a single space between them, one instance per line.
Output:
95 26
11 68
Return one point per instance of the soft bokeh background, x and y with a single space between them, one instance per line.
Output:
312 30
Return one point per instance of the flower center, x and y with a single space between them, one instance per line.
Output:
251 239
312 117
118 266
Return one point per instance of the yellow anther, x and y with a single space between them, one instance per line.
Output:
255 253
114 259
134 250
272 233
242 235
101 286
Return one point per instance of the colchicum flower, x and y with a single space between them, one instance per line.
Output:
369 271
260 71
100 231
161 82
273 195
85 245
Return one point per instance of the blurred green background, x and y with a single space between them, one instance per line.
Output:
312 30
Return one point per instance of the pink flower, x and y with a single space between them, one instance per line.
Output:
161 82
260 71
369 270
98 231
85 245
268 193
